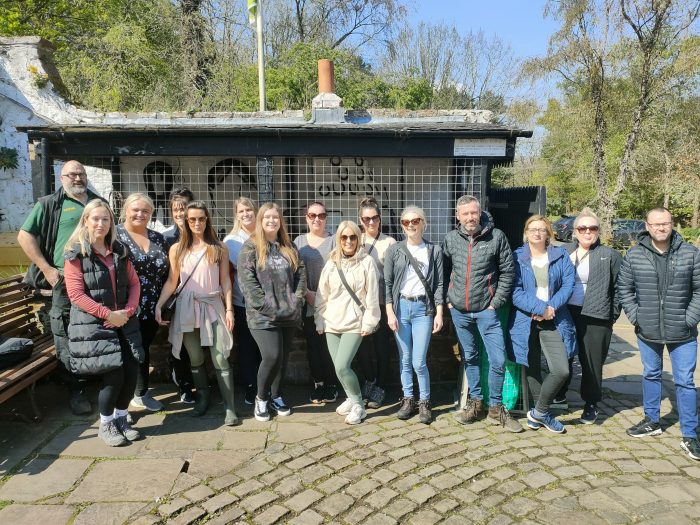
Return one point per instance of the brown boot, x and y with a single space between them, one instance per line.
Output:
425 413
499 415
474 411
407 408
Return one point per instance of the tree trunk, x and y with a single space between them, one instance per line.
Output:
695 221
196 57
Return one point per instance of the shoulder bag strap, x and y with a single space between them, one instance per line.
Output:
416 268
347 287
182 284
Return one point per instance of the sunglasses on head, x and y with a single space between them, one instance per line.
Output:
414 222
373 218
351 238
584 229
313 216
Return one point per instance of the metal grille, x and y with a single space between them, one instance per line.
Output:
340 183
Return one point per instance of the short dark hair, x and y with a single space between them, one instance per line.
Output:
658 209
181 194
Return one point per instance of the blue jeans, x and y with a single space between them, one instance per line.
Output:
683 360
412 339
486 321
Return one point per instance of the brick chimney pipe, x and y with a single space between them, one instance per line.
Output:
326 80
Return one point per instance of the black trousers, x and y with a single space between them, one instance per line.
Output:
248 352
320 362
118 385
274 344
593 336
375 352
149 329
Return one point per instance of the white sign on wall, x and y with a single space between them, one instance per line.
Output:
480 148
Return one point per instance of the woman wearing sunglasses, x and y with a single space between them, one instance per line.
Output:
413 277
314 248
593 307
347 309
375 350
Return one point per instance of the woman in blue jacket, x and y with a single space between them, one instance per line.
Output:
540 322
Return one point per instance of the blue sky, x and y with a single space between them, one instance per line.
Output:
518 22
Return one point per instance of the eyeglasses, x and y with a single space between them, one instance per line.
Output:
414 222
584 229
541 231
346 238
659 225
195 220
321 216
75 175
373 218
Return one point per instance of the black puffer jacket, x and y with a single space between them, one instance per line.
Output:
661 316
480 271
94 348
600 300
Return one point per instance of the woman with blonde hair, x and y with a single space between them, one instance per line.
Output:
204 308
149 255
273 281
104 336
540 322
248 351
347 310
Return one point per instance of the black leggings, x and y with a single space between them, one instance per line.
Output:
248 351
545 339
320 362
149 328
376 346
274 344
118 385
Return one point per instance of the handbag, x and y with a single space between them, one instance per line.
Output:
168 309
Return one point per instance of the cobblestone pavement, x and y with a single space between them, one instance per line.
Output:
311 468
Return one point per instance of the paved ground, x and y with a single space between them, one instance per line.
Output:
310 468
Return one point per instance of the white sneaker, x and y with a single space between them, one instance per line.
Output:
345 407
356 415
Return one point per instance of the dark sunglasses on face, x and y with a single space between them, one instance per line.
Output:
313 216
351 238
373 218
414 222
584 229
195 220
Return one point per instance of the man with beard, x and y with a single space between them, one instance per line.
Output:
42 237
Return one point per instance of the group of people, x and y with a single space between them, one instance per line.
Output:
114 285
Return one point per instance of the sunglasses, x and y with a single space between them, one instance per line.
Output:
313 216
373 218
584 229
195 220
414 222
351 238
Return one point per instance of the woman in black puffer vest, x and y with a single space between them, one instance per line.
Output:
104 336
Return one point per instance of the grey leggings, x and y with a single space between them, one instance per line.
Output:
545 339
343 348
193 343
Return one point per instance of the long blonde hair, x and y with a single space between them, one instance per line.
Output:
337 254
81 235
215 247
287 249
245 201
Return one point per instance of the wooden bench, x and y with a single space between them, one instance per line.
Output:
18 319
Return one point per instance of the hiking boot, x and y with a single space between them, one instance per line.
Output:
278 405
407 408
367 387
692 447
125 429
344 408
376 397
499 415
474 411
356 415
589 415
79 404
148 402
109 433
261 411
425 413
316 396
250 393
547 420
646 427
330 394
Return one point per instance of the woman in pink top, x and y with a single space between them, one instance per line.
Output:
200 261
104 335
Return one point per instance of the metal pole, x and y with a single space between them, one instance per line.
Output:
261 54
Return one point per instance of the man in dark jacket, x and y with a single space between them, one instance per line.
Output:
43 237
479 268
659 288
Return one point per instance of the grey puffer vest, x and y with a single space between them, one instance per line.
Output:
93 348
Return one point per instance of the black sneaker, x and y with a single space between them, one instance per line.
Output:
559 404
278 405
646 427
692 447
330 394
316 396
250 392
589 415
187 397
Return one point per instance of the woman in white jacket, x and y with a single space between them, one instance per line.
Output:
347 309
